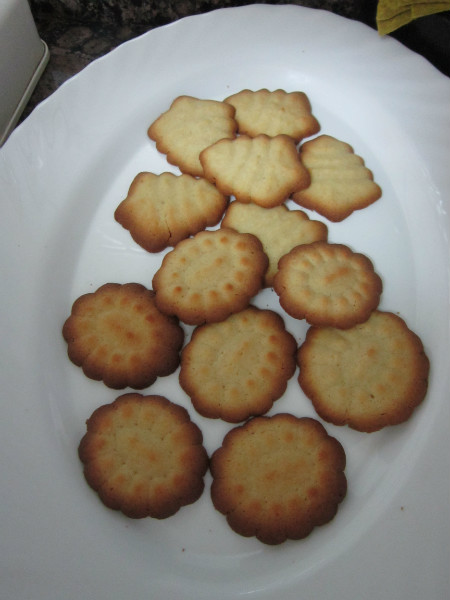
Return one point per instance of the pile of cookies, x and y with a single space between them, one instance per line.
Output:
228 233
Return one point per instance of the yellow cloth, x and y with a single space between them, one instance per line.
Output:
393 14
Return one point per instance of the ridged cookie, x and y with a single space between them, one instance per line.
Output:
278 477
274 113
279 229
237 368
367 377
118 335
264 170
207 277
144 456
189 126
160 210
340 181
328 285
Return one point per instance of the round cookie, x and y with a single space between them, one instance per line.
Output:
328 285
144 456
367 377
207 277
118 335
237 368
278 477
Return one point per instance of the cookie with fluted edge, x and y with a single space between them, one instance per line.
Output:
160 210
279 229
239 367
368 377
328 285
279 477
209 276
188 126
117 334
144 456
273 113
264 170
340 181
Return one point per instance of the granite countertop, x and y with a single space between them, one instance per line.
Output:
80 31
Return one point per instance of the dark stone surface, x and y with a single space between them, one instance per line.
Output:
80 31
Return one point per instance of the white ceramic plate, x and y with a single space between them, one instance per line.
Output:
63 172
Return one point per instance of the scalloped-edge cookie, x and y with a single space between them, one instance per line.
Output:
367 377
207 277
274 113
188 126
117 334
279 229
264 170
160 210
239 367
279 477
340 181
328 285
144 456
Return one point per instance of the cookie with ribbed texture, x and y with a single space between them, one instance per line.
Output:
118 335
340 181
273 113
208 277
279 229
367 377
160 210
278 478
144 456
237 368
264 170
189 126
328 285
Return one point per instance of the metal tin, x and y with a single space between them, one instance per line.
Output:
23 58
